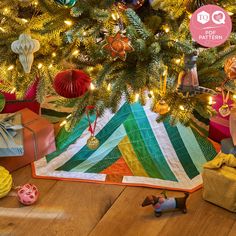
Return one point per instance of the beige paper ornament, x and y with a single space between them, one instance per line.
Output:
25 46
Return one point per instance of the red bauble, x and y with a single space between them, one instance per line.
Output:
71 83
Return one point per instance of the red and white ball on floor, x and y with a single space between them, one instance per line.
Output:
27 194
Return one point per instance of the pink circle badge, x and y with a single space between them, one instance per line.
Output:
210 26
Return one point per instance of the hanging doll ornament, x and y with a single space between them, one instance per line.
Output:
188 83
224 110
25 46
92 142
117 46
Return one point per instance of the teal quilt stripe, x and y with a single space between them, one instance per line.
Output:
151 143
64 138
181 150
103 135
110 159
205 145
140 148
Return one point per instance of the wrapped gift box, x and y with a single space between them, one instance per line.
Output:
11 135
29 101
38 134
219 125
219 181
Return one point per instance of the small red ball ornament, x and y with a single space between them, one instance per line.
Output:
27 194
71 83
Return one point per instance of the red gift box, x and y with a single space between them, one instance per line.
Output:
29 100
219 125
39 141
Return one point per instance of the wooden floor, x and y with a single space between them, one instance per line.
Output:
73 208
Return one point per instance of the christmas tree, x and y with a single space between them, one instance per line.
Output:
137 50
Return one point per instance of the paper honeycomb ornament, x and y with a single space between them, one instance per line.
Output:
5 182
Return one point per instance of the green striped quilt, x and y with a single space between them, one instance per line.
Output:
134 150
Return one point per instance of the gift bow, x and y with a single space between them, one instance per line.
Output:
8 131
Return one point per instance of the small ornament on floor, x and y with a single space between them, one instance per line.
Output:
5 182
27 194
92 142
163 203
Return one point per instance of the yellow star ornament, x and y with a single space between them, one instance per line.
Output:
118 45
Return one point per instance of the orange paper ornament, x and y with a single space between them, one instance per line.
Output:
230 67
118 45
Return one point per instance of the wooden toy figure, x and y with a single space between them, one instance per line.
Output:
163 203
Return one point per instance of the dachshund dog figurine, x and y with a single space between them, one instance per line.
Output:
162 204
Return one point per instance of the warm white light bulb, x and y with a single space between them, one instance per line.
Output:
11 67
136 97
109 87
40 65
63 122
68 22
92 87
181 107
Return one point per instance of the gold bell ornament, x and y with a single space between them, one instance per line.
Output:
92 142
161 107
5 182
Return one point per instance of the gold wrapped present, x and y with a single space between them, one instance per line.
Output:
219 181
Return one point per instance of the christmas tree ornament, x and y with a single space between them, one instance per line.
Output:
117 46
161 107
75 12
5 182
133 4
92 142
71 83
188 79
224 110
2 102
230 68
25 46
66 3
27 194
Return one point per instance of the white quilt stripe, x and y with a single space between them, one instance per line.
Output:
166 146
192 146
103 150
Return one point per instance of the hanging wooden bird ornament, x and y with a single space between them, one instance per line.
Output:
25 46
92 142
188 83
118 46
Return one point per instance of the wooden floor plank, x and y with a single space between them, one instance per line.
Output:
70 208
81 209
12 213
233 230
126 217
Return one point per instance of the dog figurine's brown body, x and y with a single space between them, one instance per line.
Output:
161 204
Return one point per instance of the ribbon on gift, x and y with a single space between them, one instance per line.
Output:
8 130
